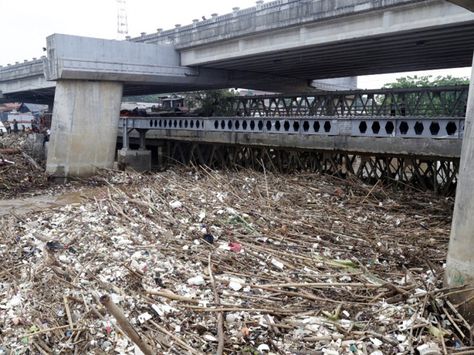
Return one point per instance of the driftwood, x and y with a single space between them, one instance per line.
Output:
125 325
299 262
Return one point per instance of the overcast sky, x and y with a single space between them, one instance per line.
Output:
24 24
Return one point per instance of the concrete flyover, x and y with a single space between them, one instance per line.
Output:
326 38
26 81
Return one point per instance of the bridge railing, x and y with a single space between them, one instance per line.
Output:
361 126
436 113
425 102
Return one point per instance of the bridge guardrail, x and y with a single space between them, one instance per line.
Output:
378 127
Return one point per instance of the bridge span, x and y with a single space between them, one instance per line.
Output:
405 135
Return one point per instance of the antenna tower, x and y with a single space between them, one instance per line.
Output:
122 21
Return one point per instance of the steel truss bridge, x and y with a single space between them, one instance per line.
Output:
403 136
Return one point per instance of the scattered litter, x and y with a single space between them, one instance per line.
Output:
176 204
429 349
235 247
334 275
197 281
208 238
263 348
277 264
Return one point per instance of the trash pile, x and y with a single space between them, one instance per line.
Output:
19 172
199 261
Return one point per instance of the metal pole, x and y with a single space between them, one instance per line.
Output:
460 261
125 134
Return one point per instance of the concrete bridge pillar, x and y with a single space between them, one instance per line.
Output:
84 127
460 262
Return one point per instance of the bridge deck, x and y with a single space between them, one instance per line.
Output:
435 138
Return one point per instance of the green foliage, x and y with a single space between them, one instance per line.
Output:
211 102
426 81
442 103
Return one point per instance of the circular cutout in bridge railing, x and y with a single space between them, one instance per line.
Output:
434 128
244 125
252 125
175 123
403 127
260 125
306 126
286 126
376 127
327 126
419 128
363 127
198 123
229 124
216 124
277 125
269 125
316 126
451 128
185 123
151 123
165 123
180 124
389 127
222 124
296 126
191 124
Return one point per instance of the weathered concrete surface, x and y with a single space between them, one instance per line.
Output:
381 36
460 262
468 4
138 160
25 77
419 147
264 17
84 127
84 58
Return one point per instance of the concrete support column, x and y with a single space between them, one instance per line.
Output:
84 127
460 262
142 133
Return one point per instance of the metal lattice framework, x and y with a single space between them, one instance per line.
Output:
424 102
424 174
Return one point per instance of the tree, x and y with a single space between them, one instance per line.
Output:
426 81
447 102
211 102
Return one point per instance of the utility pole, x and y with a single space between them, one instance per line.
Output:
122 19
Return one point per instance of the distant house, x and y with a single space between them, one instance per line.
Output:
5 109
171 102
35 109
17 108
